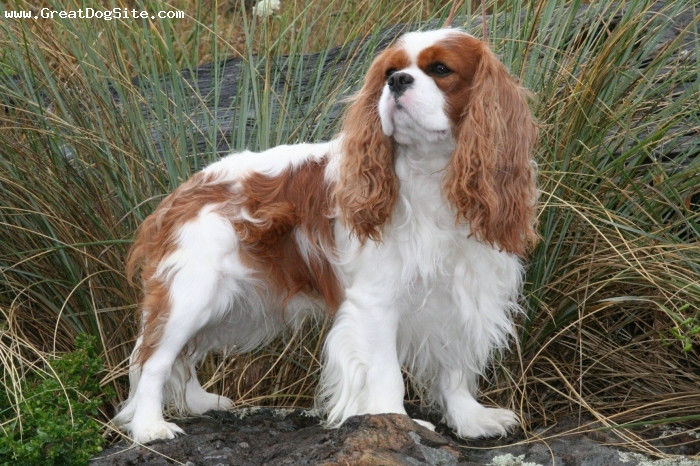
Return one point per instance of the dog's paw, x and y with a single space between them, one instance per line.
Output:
123 417
156 430
426 424
479 421
203 402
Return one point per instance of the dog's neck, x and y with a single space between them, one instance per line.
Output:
425 158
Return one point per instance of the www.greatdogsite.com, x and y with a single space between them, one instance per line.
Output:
92 13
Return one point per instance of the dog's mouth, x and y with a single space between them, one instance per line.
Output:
398 107
396 114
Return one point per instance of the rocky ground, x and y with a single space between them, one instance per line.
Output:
266 436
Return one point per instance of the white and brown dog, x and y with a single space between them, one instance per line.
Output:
409 226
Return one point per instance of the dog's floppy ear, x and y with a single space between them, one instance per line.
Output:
367 188
490 178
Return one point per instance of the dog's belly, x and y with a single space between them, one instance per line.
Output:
251 320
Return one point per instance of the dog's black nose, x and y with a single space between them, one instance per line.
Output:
399 82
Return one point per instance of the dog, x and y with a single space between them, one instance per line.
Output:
410 227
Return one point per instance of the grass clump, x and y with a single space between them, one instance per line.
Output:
50 418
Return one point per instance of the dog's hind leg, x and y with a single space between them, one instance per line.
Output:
126 413
200 401
186 294
188 312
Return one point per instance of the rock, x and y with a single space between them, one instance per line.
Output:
268 436
282 437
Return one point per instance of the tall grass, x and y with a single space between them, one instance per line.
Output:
99 120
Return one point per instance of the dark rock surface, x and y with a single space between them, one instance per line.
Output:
266 436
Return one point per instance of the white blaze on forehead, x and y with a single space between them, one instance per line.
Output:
415 42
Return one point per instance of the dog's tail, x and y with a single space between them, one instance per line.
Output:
141 247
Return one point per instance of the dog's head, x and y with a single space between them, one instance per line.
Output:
443 88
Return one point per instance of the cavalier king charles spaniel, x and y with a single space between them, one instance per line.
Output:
409 228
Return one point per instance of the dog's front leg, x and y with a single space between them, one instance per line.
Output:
361 372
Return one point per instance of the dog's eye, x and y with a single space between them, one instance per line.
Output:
389 72
438 69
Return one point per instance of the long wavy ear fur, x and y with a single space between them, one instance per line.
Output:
490 178
367 189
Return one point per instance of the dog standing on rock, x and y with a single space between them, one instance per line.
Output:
410 226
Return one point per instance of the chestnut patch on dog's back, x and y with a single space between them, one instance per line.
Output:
276 206
297 199
460 53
